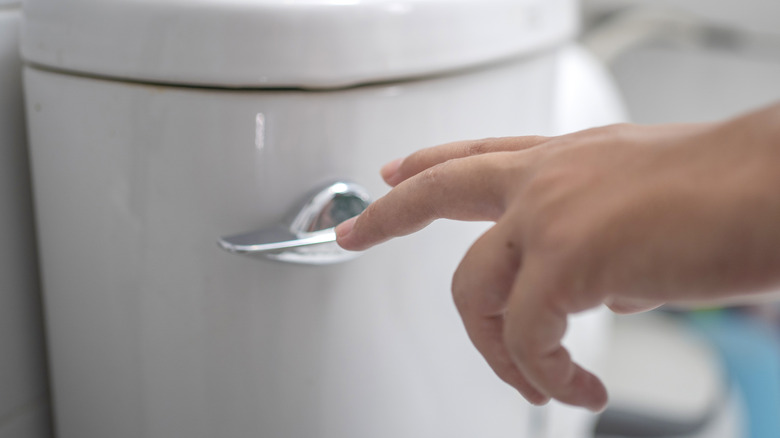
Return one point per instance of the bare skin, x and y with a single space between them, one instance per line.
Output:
628 216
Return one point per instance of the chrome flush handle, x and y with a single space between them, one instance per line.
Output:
309 237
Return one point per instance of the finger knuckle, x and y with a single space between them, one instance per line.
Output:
477 147
367 220
536 139
551 232
612 128
547 226
519 347
436 175
552 197
620 132
620 127
545 181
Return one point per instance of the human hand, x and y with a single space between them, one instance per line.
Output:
628 216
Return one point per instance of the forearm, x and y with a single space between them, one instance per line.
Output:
721 192
756 202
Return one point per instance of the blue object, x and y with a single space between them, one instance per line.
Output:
750 349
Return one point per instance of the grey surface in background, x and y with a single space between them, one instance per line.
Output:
23 383
692 60
668 84
698 61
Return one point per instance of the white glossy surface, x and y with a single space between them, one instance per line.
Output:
22 369
585 94
308 44
681 390
156 332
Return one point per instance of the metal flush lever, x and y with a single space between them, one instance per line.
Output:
309 238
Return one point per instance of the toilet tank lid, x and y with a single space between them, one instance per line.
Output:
286 43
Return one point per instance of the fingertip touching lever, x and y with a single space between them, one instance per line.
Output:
309 238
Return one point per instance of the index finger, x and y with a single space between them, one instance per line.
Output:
463 189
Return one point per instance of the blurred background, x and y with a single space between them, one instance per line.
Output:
690 61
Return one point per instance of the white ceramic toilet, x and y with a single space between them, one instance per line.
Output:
23 390
159 129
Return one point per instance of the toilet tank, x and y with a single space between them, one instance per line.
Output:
23 383
157 128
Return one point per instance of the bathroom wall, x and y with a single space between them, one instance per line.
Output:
708 61
23 387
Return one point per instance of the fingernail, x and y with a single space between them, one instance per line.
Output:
597 407
389 172
537 399
597 395
598 403
345 228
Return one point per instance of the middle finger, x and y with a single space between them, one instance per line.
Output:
399 170
480 289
